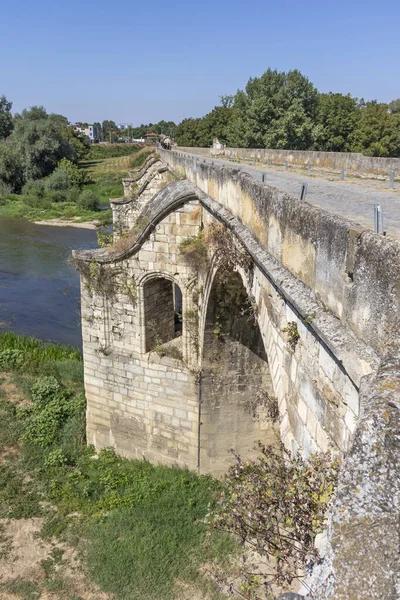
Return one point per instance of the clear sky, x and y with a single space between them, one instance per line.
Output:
140 61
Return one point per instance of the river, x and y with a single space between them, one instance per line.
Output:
39 289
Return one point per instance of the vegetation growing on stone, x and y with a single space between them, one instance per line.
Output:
275 506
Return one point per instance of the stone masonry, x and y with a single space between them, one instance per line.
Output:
161 384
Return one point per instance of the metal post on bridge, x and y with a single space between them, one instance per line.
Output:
391 179
378 218
342 174
303 192
264 177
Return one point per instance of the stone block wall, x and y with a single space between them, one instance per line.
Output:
353 162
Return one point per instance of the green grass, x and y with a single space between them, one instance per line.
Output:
138 527
98 151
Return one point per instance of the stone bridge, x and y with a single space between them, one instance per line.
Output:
227 312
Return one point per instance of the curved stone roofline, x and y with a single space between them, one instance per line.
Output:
339 341
121 201
138 173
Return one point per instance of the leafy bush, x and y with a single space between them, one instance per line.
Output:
5 189
77 176
58 196
88 200
52 405
59 180
10 358
34 188
276 505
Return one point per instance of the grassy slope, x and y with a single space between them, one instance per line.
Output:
140 528
105 179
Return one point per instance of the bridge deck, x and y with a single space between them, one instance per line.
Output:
354 201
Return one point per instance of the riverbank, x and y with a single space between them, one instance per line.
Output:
76 524
70 223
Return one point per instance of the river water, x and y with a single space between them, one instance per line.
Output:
39 289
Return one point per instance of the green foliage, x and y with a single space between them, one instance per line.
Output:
276 110
284 110
59 180
292 334
11 166
139 159
99 151
6 119
194 250
29 354
77 175
336 120
148 521
38 138
276 505
88 200
201 132
378 131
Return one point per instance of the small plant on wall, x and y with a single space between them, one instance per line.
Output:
292 334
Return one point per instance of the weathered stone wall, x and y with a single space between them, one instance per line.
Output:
337 285
138 189
349 269
352 162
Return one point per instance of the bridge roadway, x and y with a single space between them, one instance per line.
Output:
353 201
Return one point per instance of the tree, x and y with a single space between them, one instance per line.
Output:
6 119
378 130
11 168
201 132
336 120
110 131
276 110
39 139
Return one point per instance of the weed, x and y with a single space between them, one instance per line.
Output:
292 334
194 251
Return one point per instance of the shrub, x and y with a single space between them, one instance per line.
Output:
59 180
276 505
35 189
73 195
10 359
5 189
88 200
58 196
52 406
77 176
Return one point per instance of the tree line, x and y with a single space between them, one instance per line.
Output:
286 111
33 143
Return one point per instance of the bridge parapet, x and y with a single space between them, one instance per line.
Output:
352 271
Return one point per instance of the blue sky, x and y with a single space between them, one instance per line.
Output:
149 60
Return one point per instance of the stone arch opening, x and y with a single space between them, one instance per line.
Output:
238 405
162 300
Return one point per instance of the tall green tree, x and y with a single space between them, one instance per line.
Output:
40 141
336 120
6 119
201 132
276 110
378 130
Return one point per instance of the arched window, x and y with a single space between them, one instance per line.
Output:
162 313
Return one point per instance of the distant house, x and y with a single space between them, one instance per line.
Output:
91 131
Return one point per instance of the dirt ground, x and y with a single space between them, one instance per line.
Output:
30 568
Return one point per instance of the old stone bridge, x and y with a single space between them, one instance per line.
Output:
227 312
